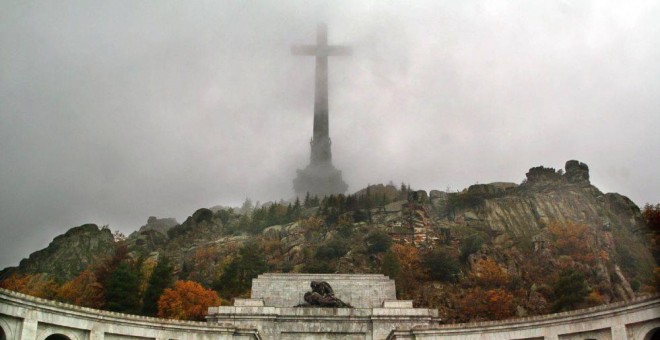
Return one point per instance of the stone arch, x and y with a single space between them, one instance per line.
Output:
652 334
57 336
6 332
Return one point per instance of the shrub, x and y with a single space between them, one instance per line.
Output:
378 242
441 265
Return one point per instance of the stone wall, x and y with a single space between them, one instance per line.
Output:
24 317
635 320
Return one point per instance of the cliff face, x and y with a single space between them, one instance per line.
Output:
68 254
547 196
518 227
514 222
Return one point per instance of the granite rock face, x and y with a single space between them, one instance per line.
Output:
68 254
161 225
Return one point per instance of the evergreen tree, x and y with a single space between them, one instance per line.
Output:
289 213
297 209
308 201
570 291
123 289
390 266
160 279
237 276
441 265
378 242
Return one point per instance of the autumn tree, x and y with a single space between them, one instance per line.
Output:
488 274
651 215
573 239
188 300
410 269
39 285
161 278
103 271
492 304
83 290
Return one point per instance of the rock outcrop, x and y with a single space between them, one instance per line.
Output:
68 254
161 225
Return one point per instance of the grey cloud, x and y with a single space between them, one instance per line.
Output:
115 111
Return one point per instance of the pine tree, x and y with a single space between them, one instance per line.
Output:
308 201
237 276
296 209
160 279
570 291
122 290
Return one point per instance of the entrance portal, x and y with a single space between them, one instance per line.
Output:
652 334
58 337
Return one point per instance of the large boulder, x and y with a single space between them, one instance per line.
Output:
576 172
542 175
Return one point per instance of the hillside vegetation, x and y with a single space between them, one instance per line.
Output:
491 251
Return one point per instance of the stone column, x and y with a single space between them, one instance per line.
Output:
29 328
619 332
96 334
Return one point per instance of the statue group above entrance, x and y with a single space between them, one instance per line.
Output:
322 295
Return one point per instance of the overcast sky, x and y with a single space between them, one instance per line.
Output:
113 111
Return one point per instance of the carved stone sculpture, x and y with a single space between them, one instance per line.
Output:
322 295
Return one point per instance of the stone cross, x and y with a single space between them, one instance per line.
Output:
321 138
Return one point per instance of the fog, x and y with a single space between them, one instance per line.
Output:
111 112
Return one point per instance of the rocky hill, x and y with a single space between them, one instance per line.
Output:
68 254
506 241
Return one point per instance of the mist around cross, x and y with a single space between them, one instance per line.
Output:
114 112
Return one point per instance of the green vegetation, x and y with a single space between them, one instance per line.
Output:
441 265
238 275
161 278
570 291
122 290
378 242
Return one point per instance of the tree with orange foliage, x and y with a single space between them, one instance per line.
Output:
651 215
187 301
410 271
573 239
487 273
492 304
39 285
83 290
